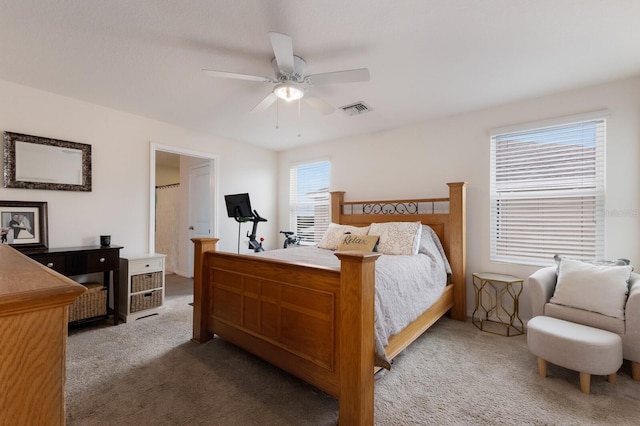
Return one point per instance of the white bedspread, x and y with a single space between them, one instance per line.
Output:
406 286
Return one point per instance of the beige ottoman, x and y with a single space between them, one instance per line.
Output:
576 347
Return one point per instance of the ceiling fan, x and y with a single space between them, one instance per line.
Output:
291 82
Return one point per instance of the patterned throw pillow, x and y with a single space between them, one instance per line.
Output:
397 237
367 243
335 234
598 262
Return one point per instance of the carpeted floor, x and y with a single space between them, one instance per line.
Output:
148 372
177 286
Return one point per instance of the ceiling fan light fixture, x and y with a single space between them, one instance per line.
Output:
288 92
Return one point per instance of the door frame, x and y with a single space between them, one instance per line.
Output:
213 183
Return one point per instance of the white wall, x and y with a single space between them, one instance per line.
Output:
417 161
119 202
166 175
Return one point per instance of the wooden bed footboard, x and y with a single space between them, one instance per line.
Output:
292 316
318 323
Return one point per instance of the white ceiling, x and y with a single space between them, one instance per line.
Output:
427 58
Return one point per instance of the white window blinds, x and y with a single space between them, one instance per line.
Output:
309 204
547 193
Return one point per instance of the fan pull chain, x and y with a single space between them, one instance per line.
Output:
299 118
277 113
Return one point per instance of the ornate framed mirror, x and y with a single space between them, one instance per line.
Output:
32 162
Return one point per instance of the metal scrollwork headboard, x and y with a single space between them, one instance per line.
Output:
390 208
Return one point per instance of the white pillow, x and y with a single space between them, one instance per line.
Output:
335 234
397 237
596 288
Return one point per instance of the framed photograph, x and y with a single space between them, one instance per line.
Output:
23 224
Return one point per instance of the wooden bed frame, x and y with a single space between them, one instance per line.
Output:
318 323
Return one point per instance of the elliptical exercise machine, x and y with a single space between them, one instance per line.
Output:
239 208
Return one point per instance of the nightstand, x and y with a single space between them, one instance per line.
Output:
142 281
497 303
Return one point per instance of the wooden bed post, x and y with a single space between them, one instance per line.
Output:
458 250
357 295
200 288
337 198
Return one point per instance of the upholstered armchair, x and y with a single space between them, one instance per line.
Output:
541 287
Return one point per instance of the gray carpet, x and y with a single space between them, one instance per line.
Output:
148 372
177 286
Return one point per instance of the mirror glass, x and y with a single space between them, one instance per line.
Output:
33 162
42 163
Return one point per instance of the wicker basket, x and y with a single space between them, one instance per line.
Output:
143 301
93 303
144 282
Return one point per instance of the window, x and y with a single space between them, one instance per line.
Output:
547 191
309 203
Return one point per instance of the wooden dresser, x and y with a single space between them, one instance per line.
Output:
34 303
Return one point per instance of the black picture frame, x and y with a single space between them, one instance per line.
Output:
24 224
34 162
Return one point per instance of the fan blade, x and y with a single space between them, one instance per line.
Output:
265 103
283 50
224 74
319 104
348 76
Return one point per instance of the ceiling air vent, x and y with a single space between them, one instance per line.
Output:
355 109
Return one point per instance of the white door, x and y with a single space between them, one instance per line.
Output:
200 207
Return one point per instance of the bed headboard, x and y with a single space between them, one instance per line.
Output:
447 217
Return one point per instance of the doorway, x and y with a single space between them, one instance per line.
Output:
173 195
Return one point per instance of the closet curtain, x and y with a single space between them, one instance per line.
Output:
166 223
